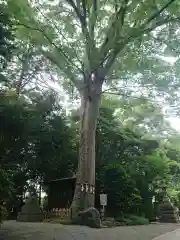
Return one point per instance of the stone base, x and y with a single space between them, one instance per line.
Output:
109 222
89 217
30 217
168 221
168 218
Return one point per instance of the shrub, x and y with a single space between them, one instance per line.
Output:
130 220
6 188
121 190
3 213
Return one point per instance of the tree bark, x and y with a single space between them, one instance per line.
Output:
84 196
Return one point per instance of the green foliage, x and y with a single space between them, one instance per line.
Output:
133 169
3 214
39 143
120 187
129 48
129 220
22 121
6 186
6 189
36 144
6 36
174 195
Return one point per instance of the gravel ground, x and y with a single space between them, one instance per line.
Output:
12 230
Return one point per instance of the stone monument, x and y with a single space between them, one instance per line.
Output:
167 212
30 211
89 217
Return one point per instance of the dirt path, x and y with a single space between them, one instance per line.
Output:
12 230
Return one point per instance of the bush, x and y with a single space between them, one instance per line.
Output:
121 190
130 220
174 195
3 214
6 188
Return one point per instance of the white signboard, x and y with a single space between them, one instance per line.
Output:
103 199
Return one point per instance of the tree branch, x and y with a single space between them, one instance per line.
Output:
25 67
67 70
113 54
55 26
78 4
66 57
78 13
82 18
95 5
114 30
131 96
137 33
156 14
84 12
93 18
164 42
161 23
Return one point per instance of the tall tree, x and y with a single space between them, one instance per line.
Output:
110 32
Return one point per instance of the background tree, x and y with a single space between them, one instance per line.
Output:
6 36
35 147
130 167
6 185
39 143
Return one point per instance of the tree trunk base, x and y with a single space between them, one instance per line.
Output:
89 217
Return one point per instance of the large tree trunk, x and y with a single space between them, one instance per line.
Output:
84 196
